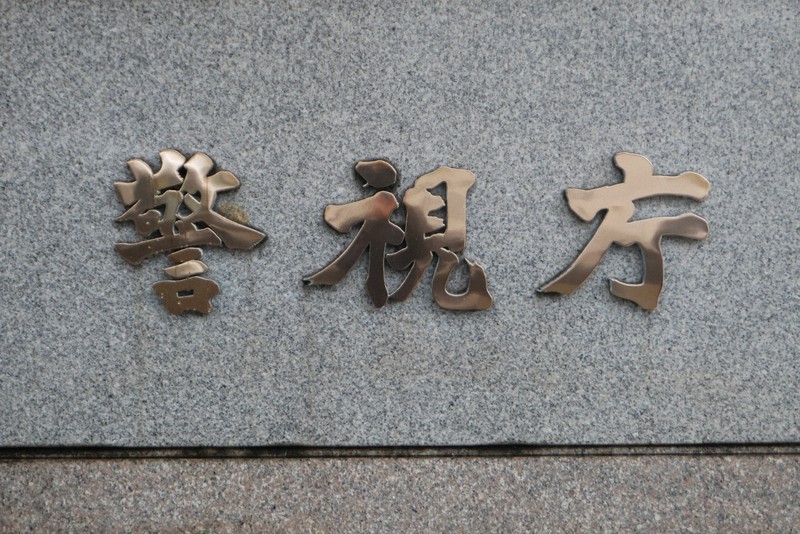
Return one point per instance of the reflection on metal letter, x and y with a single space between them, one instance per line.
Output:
616 227
424 236
154 201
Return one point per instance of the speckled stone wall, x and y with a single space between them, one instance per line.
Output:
533 97
568 494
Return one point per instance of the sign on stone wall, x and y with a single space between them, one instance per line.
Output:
499 128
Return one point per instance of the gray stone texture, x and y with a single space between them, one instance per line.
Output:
645 494
533 97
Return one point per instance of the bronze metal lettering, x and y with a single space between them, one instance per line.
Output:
154 201
424 236
616 227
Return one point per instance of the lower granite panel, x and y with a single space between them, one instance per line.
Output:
547 494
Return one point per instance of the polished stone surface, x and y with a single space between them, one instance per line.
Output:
531 97
645 494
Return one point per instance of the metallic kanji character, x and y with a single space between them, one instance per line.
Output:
375 232
154 201
616 227
421 243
